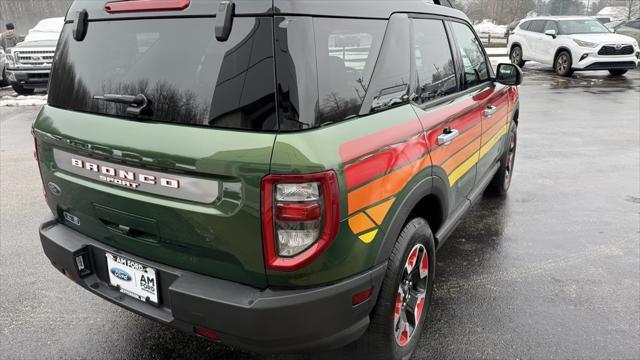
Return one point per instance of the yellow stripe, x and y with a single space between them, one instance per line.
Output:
368 237
461 170
491 143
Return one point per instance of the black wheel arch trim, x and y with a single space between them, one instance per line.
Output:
431 185
558 51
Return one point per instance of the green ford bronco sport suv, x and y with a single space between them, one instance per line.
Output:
273 174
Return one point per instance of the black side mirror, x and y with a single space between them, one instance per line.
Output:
509 74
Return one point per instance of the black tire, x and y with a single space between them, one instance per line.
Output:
501 182
382 340
515 55
21 90
3 79
617 72
562 64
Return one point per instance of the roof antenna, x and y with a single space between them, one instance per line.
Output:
224 19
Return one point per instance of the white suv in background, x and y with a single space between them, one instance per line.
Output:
572 43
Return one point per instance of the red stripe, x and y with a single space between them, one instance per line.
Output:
356 148
384 162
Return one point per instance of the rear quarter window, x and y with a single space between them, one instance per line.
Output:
324 67
537 25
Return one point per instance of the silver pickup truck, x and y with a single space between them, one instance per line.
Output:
28 64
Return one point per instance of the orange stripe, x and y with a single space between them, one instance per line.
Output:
383 187
453 162
443 152
360 223
494 129
378 212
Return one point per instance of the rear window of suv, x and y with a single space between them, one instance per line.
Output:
187 75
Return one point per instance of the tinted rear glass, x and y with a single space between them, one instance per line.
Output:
325 83
188 76
537 25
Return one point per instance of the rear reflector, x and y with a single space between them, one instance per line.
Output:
361 297
146 5
298 211
209 334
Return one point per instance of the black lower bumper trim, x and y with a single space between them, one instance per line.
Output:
612 65
265 320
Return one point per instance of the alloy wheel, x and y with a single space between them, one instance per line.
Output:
411 295
516 56
563 63
510 161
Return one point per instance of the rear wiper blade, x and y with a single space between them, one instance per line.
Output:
137 103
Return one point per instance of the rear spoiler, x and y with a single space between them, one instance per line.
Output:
97 9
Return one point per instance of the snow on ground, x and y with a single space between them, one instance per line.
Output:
496 51
499 60
488 27
21 100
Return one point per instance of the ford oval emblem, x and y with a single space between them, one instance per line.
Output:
121 274
54 188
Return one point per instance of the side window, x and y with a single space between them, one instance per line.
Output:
537 26
634 24
476 70
434 66
346 53
390 82
525 25
323 67
551 25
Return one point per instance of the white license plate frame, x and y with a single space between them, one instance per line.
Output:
132 278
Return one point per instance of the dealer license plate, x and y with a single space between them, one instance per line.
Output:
132 278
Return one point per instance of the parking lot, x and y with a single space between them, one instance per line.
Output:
553 271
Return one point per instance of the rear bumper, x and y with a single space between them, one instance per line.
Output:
265 320
36 78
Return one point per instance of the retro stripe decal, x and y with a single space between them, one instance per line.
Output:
379 165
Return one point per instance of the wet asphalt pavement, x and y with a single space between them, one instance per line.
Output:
552 271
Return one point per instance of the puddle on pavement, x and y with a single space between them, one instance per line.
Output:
596 82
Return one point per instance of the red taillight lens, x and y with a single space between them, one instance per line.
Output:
311 211
300 218
146 5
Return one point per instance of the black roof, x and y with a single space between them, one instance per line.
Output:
340 8
363 8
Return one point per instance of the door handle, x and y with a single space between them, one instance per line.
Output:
490 110
447 137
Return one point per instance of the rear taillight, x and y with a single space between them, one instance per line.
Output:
300 218
37 158
146 5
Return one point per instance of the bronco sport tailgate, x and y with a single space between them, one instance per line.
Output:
177 180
